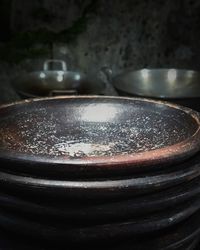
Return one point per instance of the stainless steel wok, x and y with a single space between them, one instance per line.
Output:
176 85
48 82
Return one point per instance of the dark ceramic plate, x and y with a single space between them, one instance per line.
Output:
33 170
96 189
86 135
52 231
82 211
183 236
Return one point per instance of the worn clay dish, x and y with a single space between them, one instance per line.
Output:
52 231
96 189
94 135
101 212
184 236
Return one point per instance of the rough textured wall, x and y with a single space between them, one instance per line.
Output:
131 33
89 34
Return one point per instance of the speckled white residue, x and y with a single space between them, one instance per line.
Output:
45 133
80 148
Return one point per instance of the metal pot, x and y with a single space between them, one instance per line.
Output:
175 85
50 82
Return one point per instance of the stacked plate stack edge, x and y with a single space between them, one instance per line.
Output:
99 172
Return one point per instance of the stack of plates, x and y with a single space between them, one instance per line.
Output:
100 172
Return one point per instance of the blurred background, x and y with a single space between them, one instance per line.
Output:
91 34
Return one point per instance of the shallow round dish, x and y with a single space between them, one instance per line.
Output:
96 189
57 232
96 133
101 212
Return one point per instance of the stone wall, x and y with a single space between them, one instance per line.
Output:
131 33
89 34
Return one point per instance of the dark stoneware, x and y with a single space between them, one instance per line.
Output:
91 135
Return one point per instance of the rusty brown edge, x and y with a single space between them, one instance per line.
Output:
191 145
